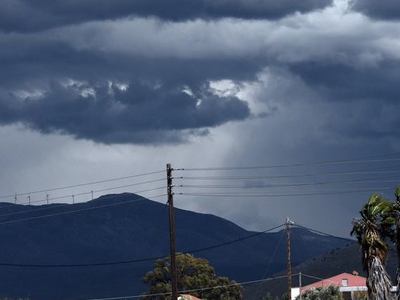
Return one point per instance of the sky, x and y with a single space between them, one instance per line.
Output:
93 90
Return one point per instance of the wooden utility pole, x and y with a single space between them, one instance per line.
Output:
288 223
172 233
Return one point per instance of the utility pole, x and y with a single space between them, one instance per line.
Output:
172 233
300 295
288 223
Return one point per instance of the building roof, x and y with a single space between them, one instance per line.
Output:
187 297
341 280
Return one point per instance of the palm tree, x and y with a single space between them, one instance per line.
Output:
396 216
371 231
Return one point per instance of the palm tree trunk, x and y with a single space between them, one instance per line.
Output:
378 280
398 259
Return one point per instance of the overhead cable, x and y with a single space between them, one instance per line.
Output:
283 176
248 195
81 184
370 159
83 209
356 181
324 233
69 196
192 290
137 260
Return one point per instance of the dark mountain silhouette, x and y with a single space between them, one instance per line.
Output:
104 230
346 259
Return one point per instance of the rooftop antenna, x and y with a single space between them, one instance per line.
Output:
15 198
29 199
92 194
47 198
73 199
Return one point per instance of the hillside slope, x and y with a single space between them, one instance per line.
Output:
133 230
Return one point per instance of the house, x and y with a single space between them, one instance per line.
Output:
187 297
348 284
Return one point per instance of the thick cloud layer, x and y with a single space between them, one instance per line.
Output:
323 85
389 9
33 15
50 85
112 113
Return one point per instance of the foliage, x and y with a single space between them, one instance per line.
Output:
193 274
322 293
268 296
360 295
375 225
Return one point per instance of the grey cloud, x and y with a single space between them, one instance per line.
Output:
53 88
34 15
344 82
141 114
362 100
389 9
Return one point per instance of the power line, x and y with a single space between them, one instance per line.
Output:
376 180
333 192
193 290
284 176
269 263
324 233
91 192
81 184
237 240
84 209
137 260
370 159
79 194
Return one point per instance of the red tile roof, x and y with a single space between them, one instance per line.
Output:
188 297
339 281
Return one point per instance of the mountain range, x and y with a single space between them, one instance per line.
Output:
126 227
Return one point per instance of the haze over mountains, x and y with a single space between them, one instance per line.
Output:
119 228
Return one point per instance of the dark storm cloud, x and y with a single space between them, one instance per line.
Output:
365 99
33 15
344 82
111 114
388 9
53 88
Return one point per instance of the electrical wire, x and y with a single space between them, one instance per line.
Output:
324 233
80 185
315 277
284 176
193 290
269 263
370 159
377 180
333 192
84 209
48 199
138 260
69 196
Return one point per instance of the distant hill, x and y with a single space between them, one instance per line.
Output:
134 230
345 259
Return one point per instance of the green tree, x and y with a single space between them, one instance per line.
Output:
322 293
371 231
194 275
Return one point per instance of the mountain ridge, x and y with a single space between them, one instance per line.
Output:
133 230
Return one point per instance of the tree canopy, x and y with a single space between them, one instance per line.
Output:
322 293
194 275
